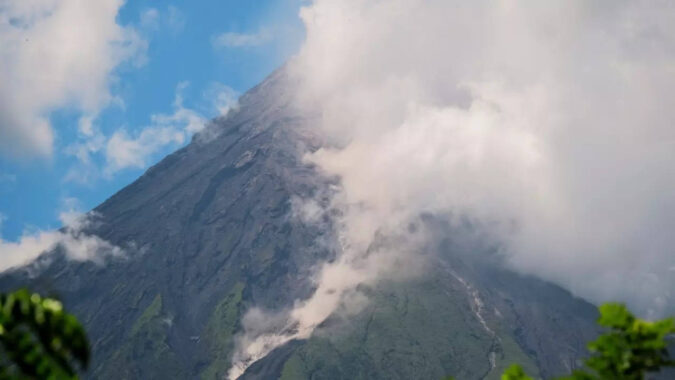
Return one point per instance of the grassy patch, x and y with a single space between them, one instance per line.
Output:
153 311
219 333
146 351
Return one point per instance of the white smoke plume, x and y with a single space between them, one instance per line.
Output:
553 121
365 256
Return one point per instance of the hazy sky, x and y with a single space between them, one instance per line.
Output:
94 92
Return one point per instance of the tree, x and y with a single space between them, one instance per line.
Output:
38 339
628 351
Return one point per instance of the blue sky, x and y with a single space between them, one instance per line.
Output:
170 66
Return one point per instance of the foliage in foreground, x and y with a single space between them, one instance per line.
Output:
631 349
38 339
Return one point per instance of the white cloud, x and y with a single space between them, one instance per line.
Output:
238 40
556 118
550 123
91 141
27 249
223 98
75 243
56 53
125 149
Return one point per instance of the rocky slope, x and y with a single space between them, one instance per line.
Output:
209 232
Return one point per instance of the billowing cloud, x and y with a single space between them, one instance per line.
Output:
56 53
554 120
551 123
75 243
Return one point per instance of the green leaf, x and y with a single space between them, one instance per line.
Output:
630 350
515 372
40 339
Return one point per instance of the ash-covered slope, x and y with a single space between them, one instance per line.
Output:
210 233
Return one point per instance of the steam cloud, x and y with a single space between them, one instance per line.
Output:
553 121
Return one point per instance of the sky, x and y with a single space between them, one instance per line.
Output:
93 93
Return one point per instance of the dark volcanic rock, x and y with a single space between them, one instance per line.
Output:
209 233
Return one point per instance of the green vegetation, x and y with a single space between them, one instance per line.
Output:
410 330
38 338
515 372
219 332
146 352
153 311
630 350
293 369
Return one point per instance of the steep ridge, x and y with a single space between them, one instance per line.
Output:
210 232
468 317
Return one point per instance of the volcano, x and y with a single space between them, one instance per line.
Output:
209 233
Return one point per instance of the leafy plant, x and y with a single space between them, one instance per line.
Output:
38 338
515 372
632 348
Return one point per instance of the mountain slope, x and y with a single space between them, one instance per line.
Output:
468 318
209 233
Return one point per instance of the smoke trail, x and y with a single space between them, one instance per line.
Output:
551 120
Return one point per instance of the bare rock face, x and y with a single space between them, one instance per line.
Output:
211 233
